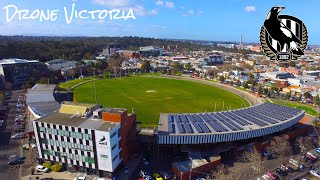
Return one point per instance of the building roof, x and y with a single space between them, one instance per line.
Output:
229 121
78 121
16 61
40 98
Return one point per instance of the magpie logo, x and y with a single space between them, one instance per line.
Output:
283 37
103 141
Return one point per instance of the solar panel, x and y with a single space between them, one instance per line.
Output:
181 128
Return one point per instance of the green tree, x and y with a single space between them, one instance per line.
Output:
307 95
188 66
260 90
221 78
245 85
56 167
288 95
47 164
146 67
316 99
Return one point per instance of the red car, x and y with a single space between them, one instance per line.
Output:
272 176
310 157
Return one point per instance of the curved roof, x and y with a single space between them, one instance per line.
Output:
225 126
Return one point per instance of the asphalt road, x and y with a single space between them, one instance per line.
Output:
14 147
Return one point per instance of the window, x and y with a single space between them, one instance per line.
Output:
114 158
113 134
119 133
113 147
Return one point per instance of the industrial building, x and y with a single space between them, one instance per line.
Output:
87 138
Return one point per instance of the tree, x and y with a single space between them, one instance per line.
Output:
260 90
280 147
245 85
56 167
220 172
304 143
288 95
71 73
221 78
307 95
316 100
188 66
47 164
212 72
146 67
253 156
177 66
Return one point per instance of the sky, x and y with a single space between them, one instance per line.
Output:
212 20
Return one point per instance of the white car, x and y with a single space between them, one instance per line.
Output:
312 155
315 173
42 168
266 177
80 178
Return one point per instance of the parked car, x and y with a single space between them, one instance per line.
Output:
80 178
16 159
281 172
317 150
315 157
267 153
17 136
157 176
286 168
296 163
165 175
309 157
266 177
42 168
272 176
315 173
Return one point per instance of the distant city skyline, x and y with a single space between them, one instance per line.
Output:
165 19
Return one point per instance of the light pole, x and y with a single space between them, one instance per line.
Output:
94 84
190 168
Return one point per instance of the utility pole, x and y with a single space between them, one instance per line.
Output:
94 84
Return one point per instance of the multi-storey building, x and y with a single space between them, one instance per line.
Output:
17 71
150 51
86 138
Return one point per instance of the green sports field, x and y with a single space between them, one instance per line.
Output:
151 96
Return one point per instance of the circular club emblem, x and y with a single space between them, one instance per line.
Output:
283 37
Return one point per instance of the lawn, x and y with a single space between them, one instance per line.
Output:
308 109
150 96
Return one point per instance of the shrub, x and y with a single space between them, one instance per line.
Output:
47 164
56 167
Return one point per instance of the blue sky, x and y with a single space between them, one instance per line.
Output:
220 20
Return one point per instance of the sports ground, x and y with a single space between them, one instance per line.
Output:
150 96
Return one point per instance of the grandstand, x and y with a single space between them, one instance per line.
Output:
213 127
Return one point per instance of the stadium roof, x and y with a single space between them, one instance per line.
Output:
40 98
225 126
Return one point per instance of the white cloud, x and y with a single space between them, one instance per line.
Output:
141 11
250 8
159 3
114 3
169 4
191 12
126 5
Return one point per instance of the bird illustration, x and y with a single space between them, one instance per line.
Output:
280 32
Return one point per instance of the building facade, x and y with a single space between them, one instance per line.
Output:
150 51
18 71
83 137
213 60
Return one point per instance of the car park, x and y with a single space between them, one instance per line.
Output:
42 168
